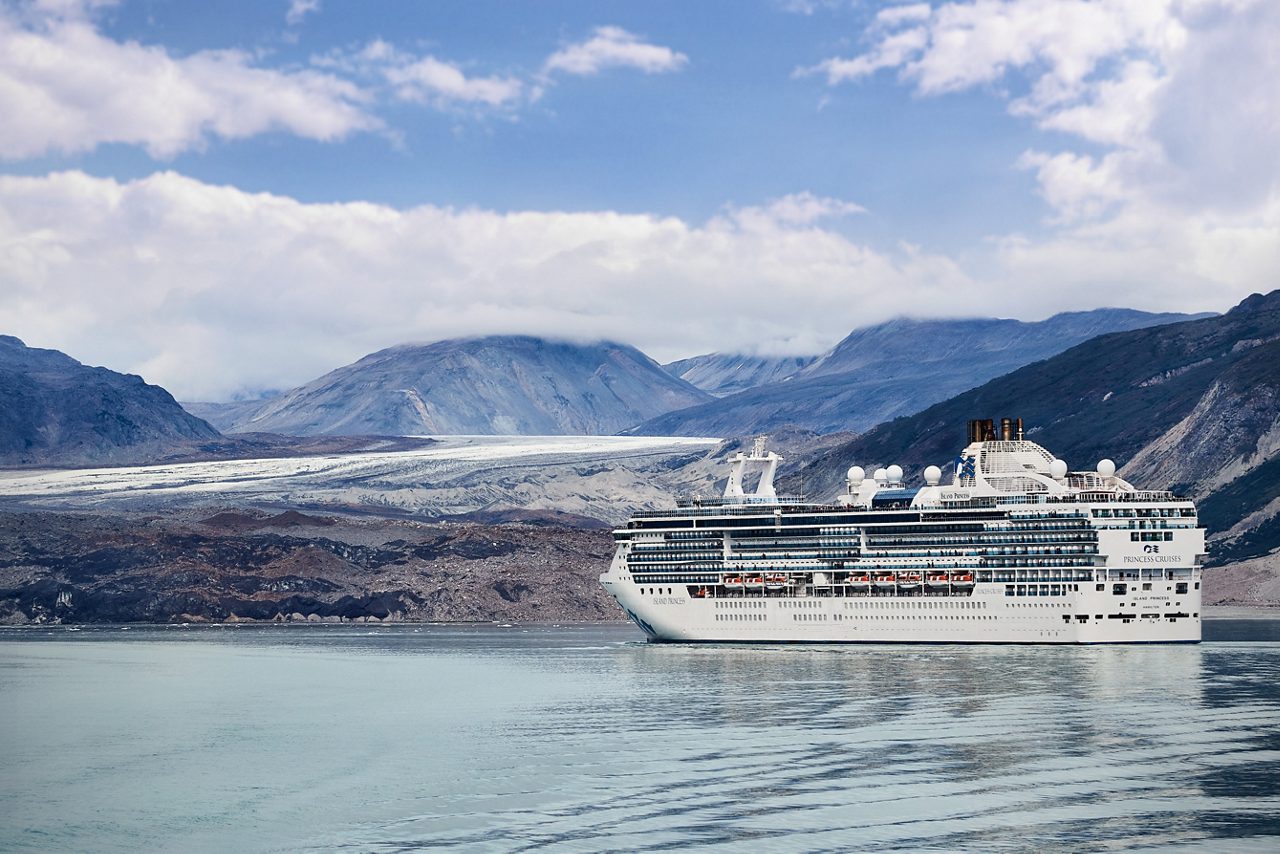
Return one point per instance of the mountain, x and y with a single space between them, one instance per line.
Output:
56 410
1193 405
503 385
225 415
895 368
723 374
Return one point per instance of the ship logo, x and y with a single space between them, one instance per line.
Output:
1151 550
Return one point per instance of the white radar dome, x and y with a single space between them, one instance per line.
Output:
1058 469
932 475
895 474
880 475
857 475
1106 468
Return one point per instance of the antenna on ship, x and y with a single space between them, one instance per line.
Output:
764 490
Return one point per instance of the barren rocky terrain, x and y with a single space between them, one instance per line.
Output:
229 565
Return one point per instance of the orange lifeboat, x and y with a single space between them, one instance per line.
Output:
962 578
937 578
733 582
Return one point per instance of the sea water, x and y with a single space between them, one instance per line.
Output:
585 738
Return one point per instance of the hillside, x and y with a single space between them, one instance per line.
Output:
895 368
499 385
722 374
56 410
1195 405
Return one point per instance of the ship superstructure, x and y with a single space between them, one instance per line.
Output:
1016 548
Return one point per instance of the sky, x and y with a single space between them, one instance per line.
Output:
232 198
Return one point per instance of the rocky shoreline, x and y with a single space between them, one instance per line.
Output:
247 565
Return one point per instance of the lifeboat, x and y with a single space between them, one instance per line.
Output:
962 578
909 579
884 579
733 582
937 579
859 580
755 582
775 582
700 593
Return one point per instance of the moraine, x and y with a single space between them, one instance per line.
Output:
1016 549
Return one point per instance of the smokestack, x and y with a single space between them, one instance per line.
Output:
1006 429
1019 422
983 430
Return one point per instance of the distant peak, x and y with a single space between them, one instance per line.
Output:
1258 302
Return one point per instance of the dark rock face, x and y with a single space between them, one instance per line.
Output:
55 409
893 369
504 385
70 567
1193 405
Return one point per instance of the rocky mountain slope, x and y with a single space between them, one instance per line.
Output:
55 410
722 374
1195 405
499 385
892 369
235 565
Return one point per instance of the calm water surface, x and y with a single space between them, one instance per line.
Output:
586 739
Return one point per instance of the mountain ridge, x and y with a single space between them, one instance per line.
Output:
880 372
58 410
487 385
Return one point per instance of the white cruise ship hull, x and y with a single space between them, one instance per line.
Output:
987 616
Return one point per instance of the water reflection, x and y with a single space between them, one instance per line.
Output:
580 738
867 748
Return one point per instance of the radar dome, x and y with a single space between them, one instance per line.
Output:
1058 469
880 475
932 475
1106 468
857 475
895 474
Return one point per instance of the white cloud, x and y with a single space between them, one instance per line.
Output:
1167 115
795 209
300 9
614 47
138 276
64 87
426 79
430 80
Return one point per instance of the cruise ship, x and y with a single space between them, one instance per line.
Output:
1016 548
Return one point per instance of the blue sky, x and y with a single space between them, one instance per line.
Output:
731 126
237 196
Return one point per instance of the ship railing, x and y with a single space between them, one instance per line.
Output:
752 501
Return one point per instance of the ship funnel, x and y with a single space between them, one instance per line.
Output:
1006 429
982 430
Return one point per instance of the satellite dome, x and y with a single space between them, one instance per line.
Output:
857 475
1106 468
880 475
932 475
1058 469
895 474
